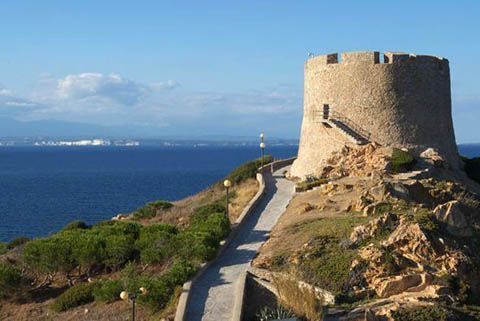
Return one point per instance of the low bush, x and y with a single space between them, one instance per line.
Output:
109 244
179 273
3 248
78 295
277 313
81 225
427 220
156 243
472 168
309 184
49 255
402 161
216 224
248 170
160 289
108 291
150 210
161 205
202 239
119 249
196 246
10 279
108 228
422 314
88 249
17 242
201 213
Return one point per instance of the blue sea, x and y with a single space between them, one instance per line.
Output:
44 188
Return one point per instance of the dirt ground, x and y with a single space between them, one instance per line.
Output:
297 225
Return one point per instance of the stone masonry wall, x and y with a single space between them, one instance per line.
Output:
403 101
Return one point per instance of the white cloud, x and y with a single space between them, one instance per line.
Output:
113 99
165 85
98 86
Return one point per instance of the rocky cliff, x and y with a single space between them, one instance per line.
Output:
385 235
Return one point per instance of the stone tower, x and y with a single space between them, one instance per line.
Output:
402 100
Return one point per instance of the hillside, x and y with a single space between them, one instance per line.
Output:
79 272
382 237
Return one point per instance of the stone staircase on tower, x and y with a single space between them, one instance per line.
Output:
353 132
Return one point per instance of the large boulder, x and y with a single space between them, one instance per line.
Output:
397 284
432 157
409 240
452 215
366 231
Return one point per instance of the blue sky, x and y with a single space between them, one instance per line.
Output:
213 67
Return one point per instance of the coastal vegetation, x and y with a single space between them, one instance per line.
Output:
150 210
310 183
402 160
10 279
159 247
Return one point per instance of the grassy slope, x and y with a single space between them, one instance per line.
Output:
37 304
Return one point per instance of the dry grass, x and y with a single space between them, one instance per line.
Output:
181 212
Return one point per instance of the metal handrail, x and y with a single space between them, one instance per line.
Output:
350 123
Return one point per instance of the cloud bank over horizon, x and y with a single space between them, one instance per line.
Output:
166 108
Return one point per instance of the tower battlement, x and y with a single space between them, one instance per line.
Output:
374 57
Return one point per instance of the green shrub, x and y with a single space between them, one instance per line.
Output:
248 170
118 250
195 245
108 291
78 295
402 160
472 168
428 313
9 280
108 228
156 243
88 249
179 273
150 210
427 220
201 213
17 242
202 239
216 224
277 313
110 244
161 205
160 289
3 248
49 255
309 184
74 225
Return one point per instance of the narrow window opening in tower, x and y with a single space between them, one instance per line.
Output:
440 65
326 111
382 58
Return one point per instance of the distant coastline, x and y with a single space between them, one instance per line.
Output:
108 141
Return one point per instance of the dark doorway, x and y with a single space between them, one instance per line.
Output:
326 111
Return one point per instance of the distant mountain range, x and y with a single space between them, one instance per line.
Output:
15 130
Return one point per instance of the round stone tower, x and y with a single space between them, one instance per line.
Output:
403 101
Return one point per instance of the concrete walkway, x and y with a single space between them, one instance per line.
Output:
213 294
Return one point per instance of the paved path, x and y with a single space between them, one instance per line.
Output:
212 295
